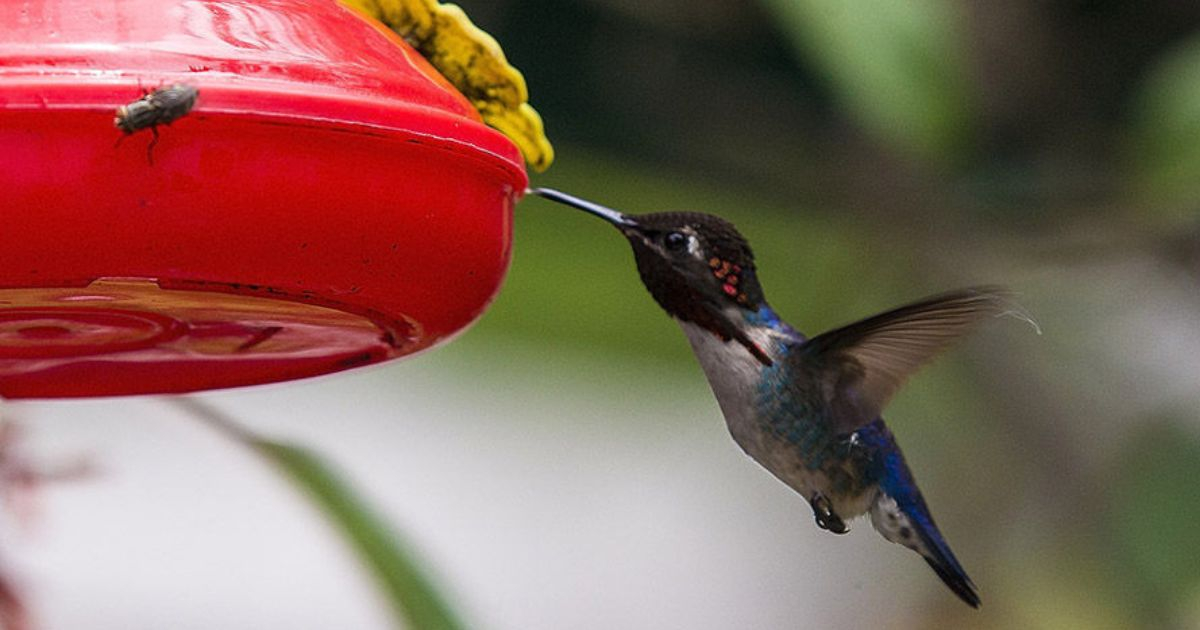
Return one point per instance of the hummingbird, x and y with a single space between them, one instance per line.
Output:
809 410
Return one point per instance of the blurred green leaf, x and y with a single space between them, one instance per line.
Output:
899 66
1064 586
1155 513
1166 143
411 595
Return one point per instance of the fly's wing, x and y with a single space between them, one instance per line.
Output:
173 102
135 116
863 365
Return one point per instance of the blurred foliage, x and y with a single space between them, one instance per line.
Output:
910 110
1068 588
1167 142
876 151
412 596
1154 530
899 67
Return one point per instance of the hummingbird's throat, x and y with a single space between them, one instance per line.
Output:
758 353
727 331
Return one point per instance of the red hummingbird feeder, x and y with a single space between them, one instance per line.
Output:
329 202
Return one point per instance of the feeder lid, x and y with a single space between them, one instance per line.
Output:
329 202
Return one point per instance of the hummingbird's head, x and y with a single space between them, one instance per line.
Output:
690 260
697 266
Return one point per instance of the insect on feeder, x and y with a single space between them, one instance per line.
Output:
330 201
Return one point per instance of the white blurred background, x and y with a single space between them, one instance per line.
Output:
542 491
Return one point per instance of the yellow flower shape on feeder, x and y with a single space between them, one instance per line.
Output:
473 62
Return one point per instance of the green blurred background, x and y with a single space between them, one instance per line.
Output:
875 151
563 464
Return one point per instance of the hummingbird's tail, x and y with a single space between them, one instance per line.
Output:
901 516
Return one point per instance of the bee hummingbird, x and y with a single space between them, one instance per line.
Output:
807 409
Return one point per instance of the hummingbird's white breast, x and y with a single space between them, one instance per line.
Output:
734 376
736 379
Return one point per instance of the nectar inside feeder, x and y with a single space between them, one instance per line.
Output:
330 201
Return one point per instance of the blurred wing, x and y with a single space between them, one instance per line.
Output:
866 362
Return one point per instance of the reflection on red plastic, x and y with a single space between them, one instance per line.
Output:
328 203
52 331
69 337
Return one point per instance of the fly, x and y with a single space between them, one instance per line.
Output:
162 106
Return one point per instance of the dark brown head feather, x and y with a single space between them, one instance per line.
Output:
696 266
729 275
703 283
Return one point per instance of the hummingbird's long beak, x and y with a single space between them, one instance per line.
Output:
608 214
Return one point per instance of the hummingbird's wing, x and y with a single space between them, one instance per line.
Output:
867 361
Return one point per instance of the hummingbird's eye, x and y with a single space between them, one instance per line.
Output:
675 241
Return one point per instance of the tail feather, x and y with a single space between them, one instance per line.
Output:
906 520
954 577
901 516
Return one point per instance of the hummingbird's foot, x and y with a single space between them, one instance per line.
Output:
826 518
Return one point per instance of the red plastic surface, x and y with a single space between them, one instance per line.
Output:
329 202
